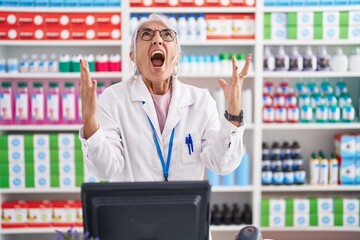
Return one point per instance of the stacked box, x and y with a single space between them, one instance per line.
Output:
300 25
354 25
275 26
346 212
276 212
345 148
357 160
42 160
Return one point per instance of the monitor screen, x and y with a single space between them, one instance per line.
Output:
175 210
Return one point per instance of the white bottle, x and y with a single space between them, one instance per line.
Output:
281 60
24 63
201 27
192 27
43 63
339 62
309 60
173 22
53 64
354 63
134 21
269 60
295 60
182 27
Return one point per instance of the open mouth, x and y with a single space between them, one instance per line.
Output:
157 58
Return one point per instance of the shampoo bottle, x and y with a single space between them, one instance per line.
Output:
310 61
339 62
323 60
354 63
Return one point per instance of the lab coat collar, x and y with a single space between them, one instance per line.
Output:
180 99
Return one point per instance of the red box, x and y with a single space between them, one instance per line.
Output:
79 216
136 3
57 19
108 32
9 18
107 19
30 33
82 32
31 19
57 33
14 214
64 213
243 26
8 33
212 3
39 214
219 26
243 3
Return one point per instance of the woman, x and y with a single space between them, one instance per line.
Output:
155 128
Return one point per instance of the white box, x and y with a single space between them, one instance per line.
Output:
16 169
301 220
41 141
66 154
331 18
277 206
41 155
16 155
326 220
277 220
331 32
67 181
278 32
354 32
278 19
16 141
17 182
305 18
351 205
354 17
88 177
42 168
42 181
304 32
301 206
66 140
325 205
351 220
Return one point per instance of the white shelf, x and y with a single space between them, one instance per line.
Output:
60 75
310 8
210 76
310 126
95 9
222 42
31 191
226 228
309 42
193 9
46 43
311 229
38 230
221 189
309 188
311 74
58 127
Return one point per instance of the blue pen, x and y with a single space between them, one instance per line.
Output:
187 141
191 143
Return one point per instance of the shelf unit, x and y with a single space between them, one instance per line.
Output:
255 132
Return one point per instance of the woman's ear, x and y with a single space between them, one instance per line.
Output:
131 54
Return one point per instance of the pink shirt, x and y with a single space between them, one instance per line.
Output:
162 103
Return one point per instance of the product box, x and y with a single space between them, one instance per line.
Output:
325 205
354 32
82 32
243 26
325 219
278 19
41 3
56 3
39 214
16 169
218 26
279 32
42 169
9 19
16 141
66 140
57 19
14 214
351 205
351 220
26 3
354 17
57 33
66 155
16 182
347 172
331 32
345 146
243 3
331 18
42 181
41 141
305 32
16 156
64 213
305 19
85 3
41 155
301 220
31 19
301 205
277 206
277 220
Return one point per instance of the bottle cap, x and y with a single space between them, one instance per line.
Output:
69 84
22 84
38 84
6 84
100 84
224 56
53 84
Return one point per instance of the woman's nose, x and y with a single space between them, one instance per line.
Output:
157 38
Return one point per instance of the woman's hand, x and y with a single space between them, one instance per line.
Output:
88 100
232 90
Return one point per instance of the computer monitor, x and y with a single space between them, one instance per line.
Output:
176 210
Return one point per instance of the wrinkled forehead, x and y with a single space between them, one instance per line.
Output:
154 25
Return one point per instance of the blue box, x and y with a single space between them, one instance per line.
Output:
284 3
114 3
41 3
26 3
56 3
71 3
100 3
270 3
326 2
347 172
357 169
11 3
85 3
311 2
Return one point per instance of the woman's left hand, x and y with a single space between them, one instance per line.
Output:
232 90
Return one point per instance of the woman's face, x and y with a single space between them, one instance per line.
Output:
155 58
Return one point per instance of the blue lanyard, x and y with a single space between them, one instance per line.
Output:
165 166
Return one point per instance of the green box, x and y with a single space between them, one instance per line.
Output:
4 142
292 32
338 220
267 19
289 220
313 205
267 33
344 32
265 206
318 19
344 18
291 19
28 141
53 138
4 156
313 221
29 169
4 175
264 220
338 206
318 33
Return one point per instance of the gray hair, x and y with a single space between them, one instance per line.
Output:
152 18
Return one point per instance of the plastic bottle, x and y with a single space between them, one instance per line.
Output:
53 103
269 60
236 214
75 62
354 61
247 214
65 63
276 162
3 65
334 113
321 112
115 63
285 149
340 88
225 63
333 170
295 149
339 62
13 65
275 148
91 61
102 63
53 63
34 63
324 169
182 28
240 61
309 60
134 21
348 113
201 27
242 173
314 169
24 63
6 103
173 22
43 63
295 60
192 27
38 103
281 60
278 176
265 149
266 173
22 104
288 175
68 112
323 60
299 171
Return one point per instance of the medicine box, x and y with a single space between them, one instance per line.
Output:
325 219
41 141
277 220
301 220
305 19
325 205
331 18
301 206
345 145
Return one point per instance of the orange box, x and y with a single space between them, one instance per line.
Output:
39 214
243 26
57 33
31 19
8 18
219 26
14 214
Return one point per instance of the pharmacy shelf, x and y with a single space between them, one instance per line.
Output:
193 9
226 228
45 43
45 127
310 188
38 230
302 42
97 9
48 75
304 74
310 126
225 189
311 8
222 42
210 76
311 229
39 190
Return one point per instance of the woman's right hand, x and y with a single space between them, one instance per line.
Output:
88 100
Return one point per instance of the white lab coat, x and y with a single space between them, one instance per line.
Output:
123 148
